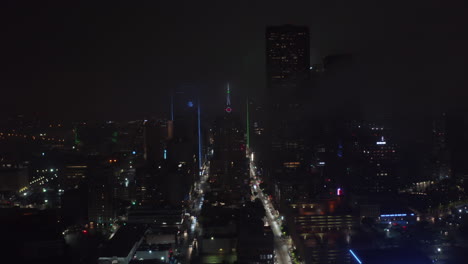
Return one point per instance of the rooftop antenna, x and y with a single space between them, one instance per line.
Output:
228 108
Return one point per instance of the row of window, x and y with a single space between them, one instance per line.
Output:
267 256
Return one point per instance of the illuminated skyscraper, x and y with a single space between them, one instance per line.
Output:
228 161
440 152
101 202
287 57
185 145
156 135
287 70
228 108
373 159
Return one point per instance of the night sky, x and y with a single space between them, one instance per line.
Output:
110 60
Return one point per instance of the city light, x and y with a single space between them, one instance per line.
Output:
339 192
355 257
393 215
301 134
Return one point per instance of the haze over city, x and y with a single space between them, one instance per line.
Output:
234 132
124 58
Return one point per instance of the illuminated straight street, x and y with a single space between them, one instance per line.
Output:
196 203
281 246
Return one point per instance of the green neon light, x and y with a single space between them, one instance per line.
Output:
77 140
114 136
248 124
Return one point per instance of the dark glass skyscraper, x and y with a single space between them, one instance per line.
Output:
287 70
228 162
287 57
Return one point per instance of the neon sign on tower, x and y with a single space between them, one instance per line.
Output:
228 108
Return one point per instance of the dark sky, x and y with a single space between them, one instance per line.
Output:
115 60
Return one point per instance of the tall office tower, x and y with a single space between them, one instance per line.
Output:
14 177
185 146
156 135
255 124
441 155
101 202
228 162
74 175
322 230
287 68
147 182
97 138
457 141
372 159
287 58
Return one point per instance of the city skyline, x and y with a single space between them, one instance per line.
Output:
258 132
121 62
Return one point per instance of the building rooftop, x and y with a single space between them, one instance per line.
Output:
389 256
123 241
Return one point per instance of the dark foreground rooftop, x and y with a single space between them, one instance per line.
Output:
123 241
389 256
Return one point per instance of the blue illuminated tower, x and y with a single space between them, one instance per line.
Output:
186 116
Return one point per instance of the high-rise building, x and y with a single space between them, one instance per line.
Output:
13 176
456 125
96 138
74 175
372 159
232 228
185 146
322 230
228 162
287 68
440 152
156 135
287 57
255 242
255 125
101 202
